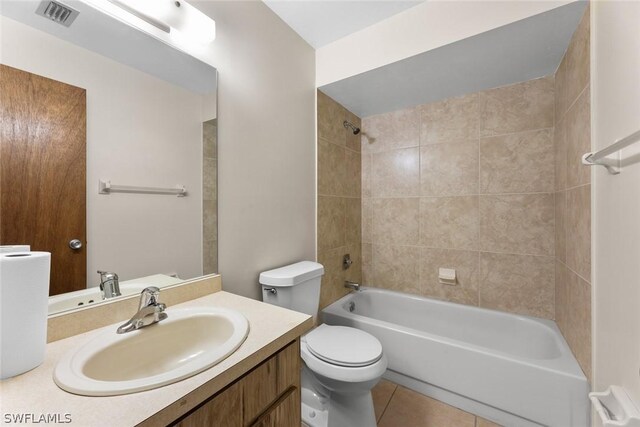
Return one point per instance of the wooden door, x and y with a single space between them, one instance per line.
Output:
42 171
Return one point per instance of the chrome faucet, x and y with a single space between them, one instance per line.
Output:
352 285
149 312
109 285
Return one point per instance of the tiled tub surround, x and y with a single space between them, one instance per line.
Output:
573 196
339 200
464 183
512 369
210 197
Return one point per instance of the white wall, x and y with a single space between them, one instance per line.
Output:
424 27
266 137
140 131
616 199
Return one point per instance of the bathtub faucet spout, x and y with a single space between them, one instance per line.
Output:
352 285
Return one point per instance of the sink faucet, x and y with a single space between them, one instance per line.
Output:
352 285
149 312
109 284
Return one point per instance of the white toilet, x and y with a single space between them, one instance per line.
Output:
341 364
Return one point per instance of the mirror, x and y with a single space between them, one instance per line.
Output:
108 153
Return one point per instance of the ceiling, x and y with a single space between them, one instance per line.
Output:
104 35
322 22
523 50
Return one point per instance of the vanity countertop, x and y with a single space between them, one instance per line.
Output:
34 393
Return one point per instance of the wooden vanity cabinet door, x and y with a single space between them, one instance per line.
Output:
268 395
223 410
288 361
259 390
284 413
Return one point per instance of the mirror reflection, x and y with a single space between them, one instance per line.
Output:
108 156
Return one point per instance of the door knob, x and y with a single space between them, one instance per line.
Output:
75 244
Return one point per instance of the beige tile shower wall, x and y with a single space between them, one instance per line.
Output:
339 198
464 183
573 196
210 197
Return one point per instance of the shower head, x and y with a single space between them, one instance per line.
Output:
349 125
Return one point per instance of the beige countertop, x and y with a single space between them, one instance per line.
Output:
35 393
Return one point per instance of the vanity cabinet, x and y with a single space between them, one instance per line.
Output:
266 396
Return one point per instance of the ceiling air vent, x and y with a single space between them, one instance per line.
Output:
57 12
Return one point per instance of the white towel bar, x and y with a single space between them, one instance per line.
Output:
105 187
612 165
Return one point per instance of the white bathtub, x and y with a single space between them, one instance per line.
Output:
514 370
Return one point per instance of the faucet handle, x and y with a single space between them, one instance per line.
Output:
149 296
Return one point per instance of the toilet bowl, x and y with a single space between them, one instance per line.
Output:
340 364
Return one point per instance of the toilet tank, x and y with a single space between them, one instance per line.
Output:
295 286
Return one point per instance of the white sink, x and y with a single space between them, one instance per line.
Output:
84 297
93 295
189 341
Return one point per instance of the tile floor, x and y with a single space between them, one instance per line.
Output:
397 406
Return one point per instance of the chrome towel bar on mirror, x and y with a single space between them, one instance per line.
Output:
612 165
105 187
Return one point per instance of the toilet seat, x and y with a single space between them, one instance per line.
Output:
349 374
343 346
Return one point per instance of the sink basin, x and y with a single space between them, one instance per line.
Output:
84 297
189 341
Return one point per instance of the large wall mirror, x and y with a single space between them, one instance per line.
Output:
107 151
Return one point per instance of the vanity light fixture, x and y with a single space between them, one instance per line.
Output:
177 18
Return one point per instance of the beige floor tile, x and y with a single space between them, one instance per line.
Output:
410 409
481 422
381 394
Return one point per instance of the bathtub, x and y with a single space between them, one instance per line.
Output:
514 370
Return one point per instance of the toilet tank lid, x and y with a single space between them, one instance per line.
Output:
293 274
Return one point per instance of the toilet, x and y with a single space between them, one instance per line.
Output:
341 364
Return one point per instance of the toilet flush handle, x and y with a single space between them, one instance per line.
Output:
274 291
